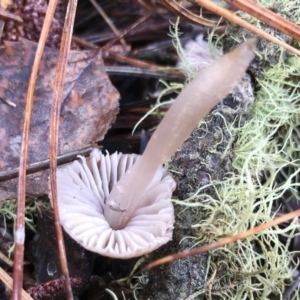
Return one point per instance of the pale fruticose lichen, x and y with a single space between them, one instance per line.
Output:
265 170
266 148
266 166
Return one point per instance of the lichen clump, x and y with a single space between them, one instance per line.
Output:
265 177
265 151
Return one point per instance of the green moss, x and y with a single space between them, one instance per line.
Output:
8 211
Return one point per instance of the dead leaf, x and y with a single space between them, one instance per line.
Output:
89 106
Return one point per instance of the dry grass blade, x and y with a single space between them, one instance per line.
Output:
223 242
9 16
261 13
44 164
186 14
54 126
125 32
107 20
132 61
20 227
7 280
233 18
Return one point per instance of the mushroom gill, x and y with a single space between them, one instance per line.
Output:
83 187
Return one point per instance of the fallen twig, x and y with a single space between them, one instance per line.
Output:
20 222
222 242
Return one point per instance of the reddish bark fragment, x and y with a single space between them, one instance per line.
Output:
89 107
54 290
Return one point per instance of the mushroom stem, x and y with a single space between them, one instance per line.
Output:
194 102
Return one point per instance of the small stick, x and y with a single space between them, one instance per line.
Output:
20 222
158 73
8 102
59 79
144 69
186 14
44 164
125 32
134 62
84 43
9 16
6 260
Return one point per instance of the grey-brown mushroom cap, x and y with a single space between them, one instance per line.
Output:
82 189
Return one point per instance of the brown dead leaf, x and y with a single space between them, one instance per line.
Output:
89 106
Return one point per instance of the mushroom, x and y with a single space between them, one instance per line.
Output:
118 205
83 187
